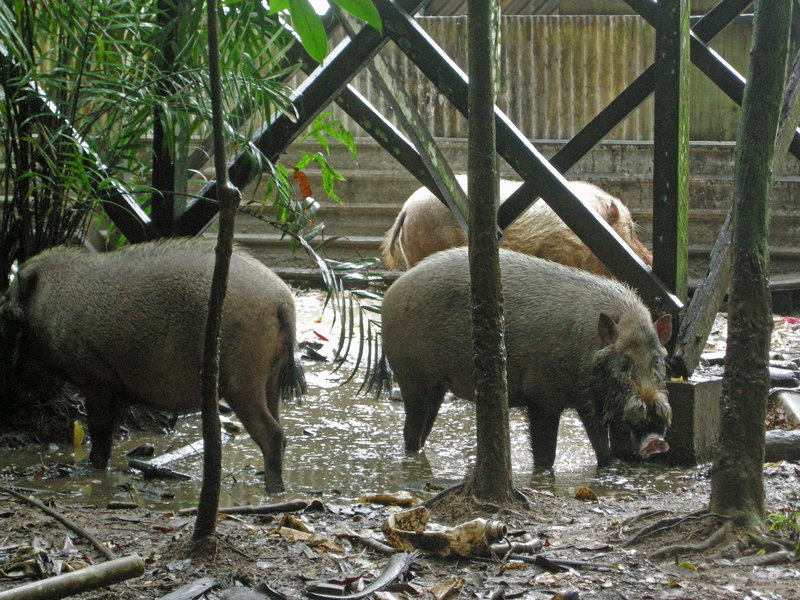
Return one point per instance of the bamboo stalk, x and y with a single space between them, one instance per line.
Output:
76 582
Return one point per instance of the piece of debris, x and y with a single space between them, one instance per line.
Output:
192 590
145 450
397 565
401 498
409 530
76 582
587 494
783 408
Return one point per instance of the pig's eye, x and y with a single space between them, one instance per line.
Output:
626 364
659 369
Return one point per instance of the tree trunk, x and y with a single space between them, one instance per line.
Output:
737 485
163 176
491 478
228 197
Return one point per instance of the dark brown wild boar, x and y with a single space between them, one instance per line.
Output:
425 226
573 340
128 327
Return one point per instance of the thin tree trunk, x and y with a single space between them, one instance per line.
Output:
737 485
491 477
163 176
228 197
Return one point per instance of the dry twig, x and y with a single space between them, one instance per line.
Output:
62 519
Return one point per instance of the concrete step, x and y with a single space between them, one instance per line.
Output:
276 252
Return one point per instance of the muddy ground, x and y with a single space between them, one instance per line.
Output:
253 550
603 538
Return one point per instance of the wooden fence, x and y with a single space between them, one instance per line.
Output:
558 72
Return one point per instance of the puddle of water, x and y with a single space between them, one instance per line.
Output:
340 445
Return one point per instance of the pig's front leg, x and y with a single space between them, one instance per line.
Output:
544 435
597 433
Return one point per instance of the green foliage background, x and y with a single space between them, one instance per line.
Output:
85 79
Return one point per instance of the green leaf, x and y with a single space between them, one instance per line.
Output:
276 6
309 27
361 9
323 141
329 179
304 161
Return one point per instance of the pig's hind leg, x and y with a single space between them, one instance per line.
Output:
421 404
251 406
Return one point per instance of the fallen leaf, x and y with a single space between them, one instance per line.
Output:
585 493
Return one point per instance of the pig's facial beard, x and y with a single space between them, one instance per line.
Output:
637 414
647 416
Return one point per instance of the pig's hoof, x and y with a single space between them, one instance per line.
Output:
603 461
274 485
98 463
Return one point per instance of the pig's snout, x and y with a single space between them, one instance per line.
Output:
647 415
652 444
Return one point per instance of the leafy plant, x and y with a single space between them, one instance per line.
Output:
80 85
84 86
788 522
325 126
308 23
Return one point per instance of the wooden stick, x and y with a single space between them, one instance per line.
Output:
261 509
62 519
153 471
76 582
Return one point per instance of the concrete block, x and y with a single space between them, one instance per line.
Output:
696 418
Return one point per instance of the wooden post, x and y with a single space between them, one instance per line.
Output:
671 146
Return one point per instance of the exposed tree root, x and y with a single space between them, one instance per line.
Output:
664 524
711 541
773 558
458 501
739 539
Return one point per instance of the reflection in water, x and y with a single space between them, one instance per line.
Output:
340 446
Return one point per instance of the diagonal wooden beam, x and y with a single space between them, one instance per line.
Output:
728 79
383 131
699 316
446 187
389 137
308 100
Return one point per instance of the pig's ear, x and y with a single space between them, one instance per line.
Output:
26 284
612 212
663 328
607 329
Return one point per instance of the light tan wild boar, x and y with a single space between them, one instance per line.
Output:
425 226
128 327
